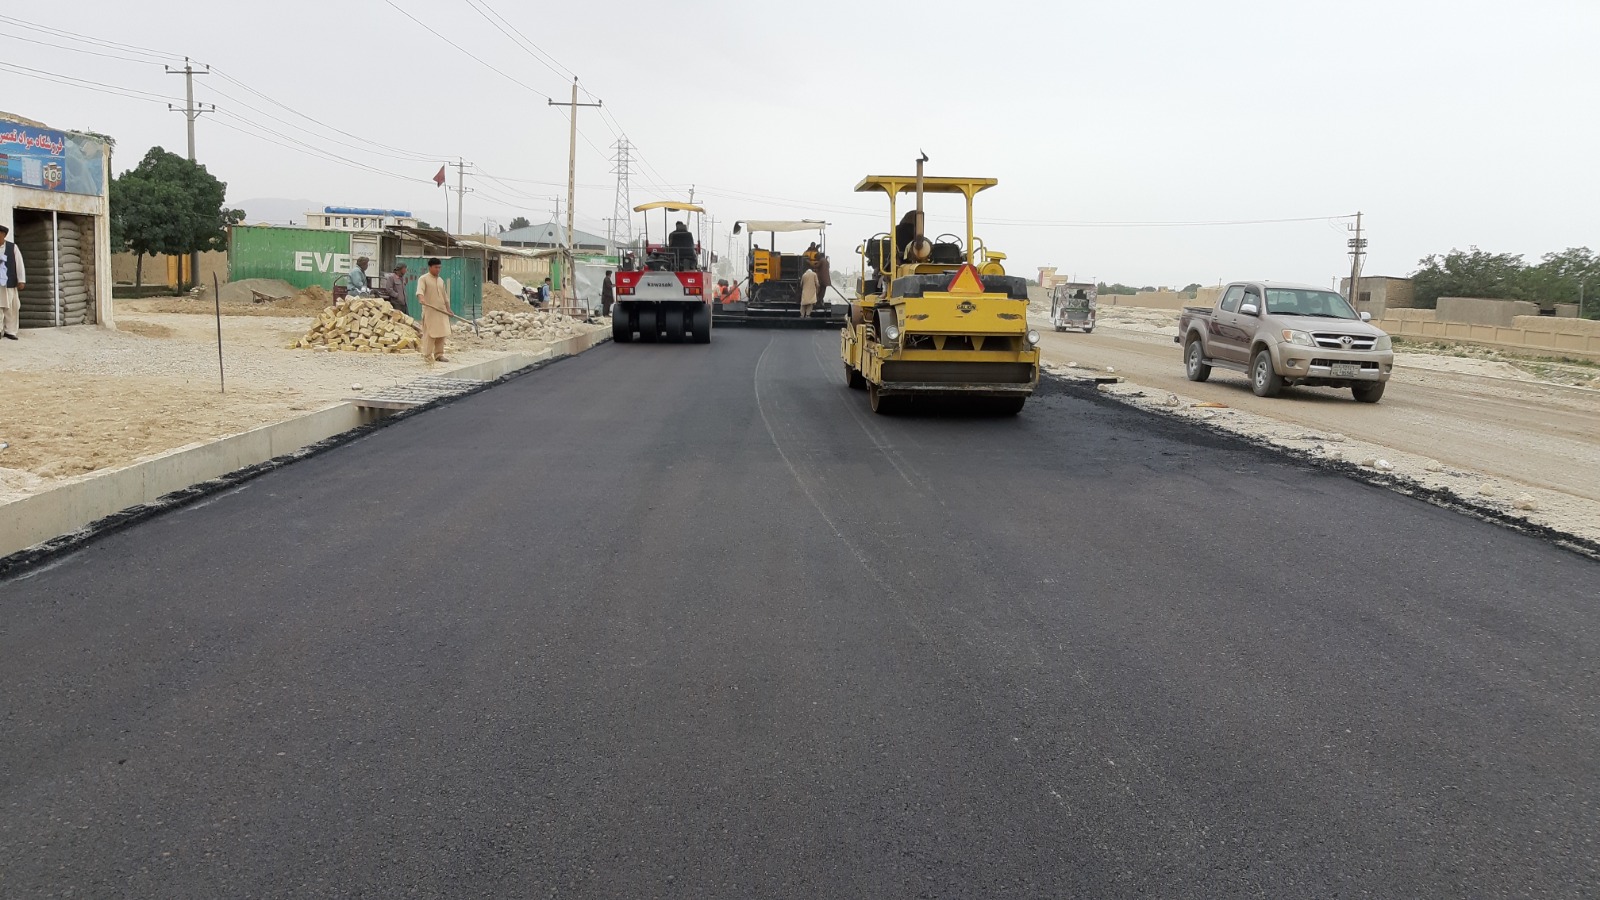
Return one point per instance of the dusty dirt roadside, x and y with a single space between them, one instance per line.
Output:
82 399
1479 428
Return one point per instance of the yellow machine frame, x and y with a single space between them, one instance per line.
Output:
958 340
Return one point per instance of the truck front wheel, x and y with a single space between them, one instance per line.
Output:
1264 379
1194 361
1371 392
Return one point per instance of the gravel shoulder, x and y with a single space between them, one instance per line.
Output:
1489 429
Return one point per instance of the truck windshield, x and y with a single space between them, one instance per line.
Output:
1322 304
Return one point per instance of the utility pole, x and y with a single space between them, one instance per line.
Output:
191 112
1358 252
708 238
572 182
461 192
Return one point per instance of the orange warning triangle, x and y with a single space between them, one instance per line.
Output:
967 281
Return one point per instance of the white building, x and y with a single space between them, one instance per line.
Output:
365 226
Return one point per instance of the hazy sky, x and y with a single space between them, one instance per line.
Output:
1447 122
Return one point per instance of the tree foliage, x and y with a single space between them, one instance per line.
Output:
520 222
1556 278
168 204
1118 288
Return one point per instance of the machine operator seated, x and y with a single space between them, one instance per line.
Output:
680 246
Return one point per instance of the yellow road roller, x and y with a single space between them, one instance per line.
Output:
937 318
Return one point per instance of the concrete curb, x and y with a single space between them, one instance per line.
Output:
49 523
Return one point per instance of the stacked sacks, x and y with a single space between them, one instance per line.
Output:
361 326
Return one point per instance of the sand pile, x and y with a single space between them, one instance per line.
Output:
360 326
250 297
498 299
238 293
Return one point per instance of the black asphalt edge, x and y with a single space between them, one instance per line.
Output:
23 561
1400 484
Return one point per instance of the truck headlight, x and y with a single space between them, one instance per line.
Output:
1033 338
892 333
1303 338
1384 342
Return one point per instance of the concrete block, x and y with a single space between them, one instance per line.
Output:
1483 311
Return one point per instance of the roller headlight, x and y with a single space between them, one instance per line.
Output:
892 333
1033 338
1383 343
1303 338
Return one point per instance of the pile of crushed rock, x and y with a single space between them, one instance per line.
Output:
539 325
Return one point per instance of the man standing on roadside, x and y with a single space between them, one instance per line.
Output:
13 278
434 299
393 288
608 294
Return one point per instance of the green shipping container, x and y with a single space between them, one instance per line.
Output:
301 256
464 274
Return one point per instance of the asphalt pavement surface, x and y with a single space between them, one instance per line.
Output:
689 621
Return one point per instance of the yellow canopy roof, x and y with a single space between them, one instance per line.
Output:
907 184
674 205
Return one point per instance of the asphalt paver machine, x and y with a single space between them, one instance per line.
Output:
770 294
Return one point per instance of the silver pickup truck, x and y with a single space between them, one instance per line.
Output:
1285 334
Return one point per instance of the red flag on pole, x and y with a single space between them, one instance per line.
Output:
439 178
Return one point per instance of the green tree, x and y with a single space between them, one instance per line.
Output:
1192 289
520 222
1118 288
168 204
1563 277
1472 273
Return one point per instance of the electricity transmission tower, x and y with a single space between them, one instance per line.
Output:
622 210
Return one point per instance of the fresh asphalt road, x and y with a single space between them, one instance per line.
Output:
689 621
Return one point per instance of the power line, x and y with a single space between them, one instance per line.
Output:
505 24
380 148
83 38
70 81
507 178
467 52
71 49
254 129
386 149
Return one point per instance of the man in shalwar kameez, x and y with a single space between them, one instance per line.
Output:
434 299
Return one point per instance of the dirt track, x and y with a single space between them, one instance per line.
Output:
1522 430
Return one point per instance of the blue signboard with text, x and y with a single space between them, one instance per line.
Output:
48 160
